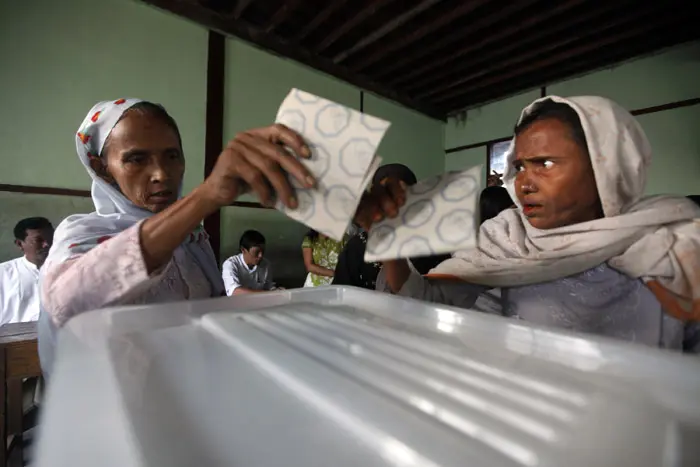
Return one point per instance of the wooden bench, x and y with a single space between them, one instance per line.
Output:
19 359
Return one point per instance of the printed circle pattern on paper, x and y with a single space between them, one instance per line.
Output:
459 188
381 239
456 226
418 213
305 98
319 162
355 156
425 186
340 203
294 119
415 246
332 120
306 207
372 124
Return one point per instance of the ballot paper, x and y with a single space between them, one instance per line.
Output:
343 145
440 216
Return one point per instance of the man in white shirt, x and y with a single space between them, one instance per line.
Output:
19 278
248 271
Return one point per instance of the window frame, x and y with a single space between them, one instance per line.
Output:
489 152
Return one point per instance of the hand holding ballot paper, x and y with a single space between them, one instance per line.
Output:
437 215
343 159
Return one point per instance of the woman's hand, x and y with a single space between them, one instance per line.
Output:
314 268
256 160
382 201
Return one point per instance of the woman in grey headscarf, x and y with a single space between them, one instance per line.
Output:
584 250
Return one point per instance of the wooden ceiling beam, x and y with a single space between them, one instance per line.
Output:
513 31
395 23
289 49
446 70
606 41
320 18
241 6
509 60
557 74
426 54
402 42
598 58
224 7
282 14
346 26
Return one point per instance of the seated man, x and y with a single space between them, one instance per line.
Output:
248 271
19 278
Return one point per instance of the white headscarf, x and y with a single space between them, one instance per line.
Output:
114 213
654 238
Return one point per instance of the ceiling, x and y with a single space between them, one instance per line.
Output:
442 56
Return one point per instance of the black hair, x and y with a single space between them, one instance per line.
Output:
492 201
250 239
555 110
154 110
312 234
31 223
398 171
694 198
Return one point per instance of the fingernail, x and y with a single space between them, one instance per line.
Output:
310 181
305 151
377 217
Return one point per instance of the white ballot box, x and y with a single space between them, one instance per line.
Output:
345 377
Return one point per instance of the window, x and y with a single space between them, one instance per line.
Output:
497 157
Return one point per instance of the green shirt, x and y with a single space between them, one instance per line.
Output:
325 253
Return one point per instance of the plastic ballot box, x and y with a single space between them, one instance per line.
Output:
339 377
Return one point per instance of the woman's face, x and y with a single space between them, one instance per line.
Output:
144 157
554 182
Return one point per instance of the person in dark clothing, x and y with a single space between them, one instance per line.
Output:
492 201
351 268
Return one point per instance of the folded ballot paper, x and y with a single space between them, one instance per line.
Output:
440 216
343 159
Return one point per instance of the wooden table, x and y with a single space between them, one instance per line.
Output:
19 359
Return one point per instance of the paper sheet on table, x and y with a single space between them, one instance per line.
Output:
440 216
343 144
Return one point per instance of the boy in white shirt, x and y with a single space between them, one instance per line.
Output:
248 271
19 278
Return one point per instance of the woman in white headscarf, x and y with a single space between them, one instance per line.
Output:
144 243
584 250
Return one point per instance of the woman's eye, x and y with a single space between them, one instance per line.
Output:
135 160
